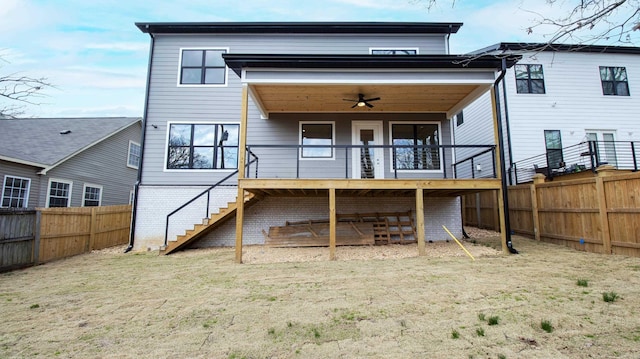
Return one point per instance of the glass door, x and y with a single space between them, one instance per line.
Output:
605 146
367 162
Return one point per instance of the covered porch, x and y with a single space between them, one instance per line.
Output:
420 84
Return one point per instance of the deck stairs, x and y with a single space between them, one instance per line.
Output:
207 225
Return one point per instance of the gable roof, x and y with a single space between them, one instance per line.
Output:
535 47
299 27
47 142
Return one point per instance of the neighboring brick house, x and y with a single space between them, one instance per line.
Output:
302 121
568 108
68 162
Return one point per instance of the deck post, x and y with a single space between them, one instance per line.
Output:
420 221
242 159
332 223
498 166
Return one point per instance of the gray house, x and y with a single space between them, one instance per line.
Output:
273 124
68 162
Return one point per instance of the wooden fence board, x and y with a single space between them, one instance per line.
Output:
17 228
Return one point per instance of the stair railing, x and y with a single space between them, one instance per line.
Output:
254 159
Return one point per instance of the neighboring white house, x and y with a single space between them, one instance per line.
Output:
557 98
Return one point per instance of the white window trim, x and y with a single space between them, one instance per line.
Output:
70 183
193 170
26 200
226 68
129 154
391 123
371 49
333 140
84 193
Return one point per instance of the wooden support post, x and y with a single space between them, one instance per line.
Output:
537 179
420 221
499 174
92 230
35 258
242 160
602 206
332 224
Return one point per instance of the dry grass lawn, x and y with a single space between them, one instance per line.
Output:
546 302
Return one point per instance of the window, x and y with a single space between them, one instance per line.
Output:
15 192
459 118
614 81
203 146
133 160
420 135
92 195
59 193
529 79
553 145
316 134
202 67
394 51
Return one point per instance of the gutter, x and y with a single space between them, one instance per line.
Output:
136 187
503 179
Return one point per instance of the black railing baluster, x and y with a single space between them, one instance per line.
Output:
473 168
346 162
633 154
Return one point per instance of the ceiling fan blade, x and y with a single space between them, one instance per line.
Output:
372 99
354 106
368 104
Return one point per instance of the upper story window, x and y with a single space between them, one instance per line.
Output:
316 134
394 51
59 193
426 153
459 118
614 81
202 67
203 146
529 79
15 192
133 158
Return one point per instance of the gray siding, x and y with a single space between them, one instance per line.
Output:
23 171
104 164
170 102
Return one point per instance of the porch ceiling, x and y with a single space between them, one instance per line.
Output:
397 98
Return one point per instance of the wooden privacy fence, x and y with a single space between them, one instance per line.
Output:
599 214
31 237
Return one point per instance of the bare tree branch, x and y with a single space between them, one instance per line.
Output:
15 88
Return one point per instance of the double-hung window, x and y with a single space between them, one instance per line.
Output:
202 67
15 192
133 158
92 195
553 145
316 134
202 146
416 146
614 81
59 193
529 79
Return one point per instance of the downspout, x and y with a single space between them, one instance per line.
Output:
144 131
506 120
503 179
449 36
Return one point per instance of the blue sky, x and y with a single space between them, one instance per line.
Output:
97 59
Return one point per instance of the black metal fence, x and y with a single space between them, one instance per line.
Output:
584 156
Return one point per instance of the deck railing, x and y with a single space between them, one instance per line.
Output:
584 156
400 161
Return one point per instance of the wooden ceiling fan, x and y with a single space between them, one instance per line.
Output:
361 101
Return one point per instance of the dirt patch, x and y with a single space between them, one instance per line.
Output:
377 302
